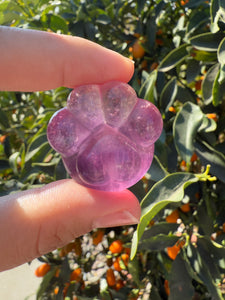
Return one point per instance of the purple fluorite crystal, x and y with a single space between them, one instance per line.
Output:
105 135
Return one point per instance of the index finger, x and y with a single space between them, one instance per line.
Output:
33 60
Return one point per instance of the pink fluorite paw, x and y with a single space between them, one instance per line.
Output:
105 135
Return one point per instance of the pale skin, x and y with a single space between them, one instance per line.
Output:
37 221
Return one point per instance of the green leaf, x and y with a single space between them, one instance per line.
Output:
168 190
208 155
39 153
9 11
4 119
23 155
205 56
197 18
207 41
45 283
157 171
193 70
185 94
60 171
194 3
208 125
58 23
202 271
140 5
214 9
208 82
134 270
205 250
218 91
147 89
159 228
217 252
175 57
103 19
13 159
168 94
218 15
38 148
205 221
221 52
180 282
36 141
185 127
221 78
158 242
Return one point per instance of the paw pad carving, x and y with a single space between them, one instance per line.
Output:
105 135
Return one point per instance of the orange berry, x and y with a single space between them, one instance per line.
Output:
127 251
67 284
198 85
76 275
137 49
116 247
194 157
137 35
119 284
223 227
56 290
144 65
116 264
185 207
166 287
183 2
173 217
212 116
183 163
110 277
42 270
125 258
2 138
57 273
175 249
172 109
154 66
97 236
130 49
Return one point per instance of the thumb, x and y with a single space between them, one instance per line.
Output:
37 221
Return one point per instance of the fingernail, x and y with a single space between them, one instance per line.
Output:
130 60
116 219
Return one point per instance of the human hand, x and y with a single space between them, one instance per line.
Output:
34 222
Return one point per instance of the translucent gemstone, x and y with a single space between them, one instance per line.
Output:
144 125
118 101
105 135
86 105
65 133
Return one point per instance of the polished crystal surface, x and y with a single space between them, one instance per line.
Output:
105 135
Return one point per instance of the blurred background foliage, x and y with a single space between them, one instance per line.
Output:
178 249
